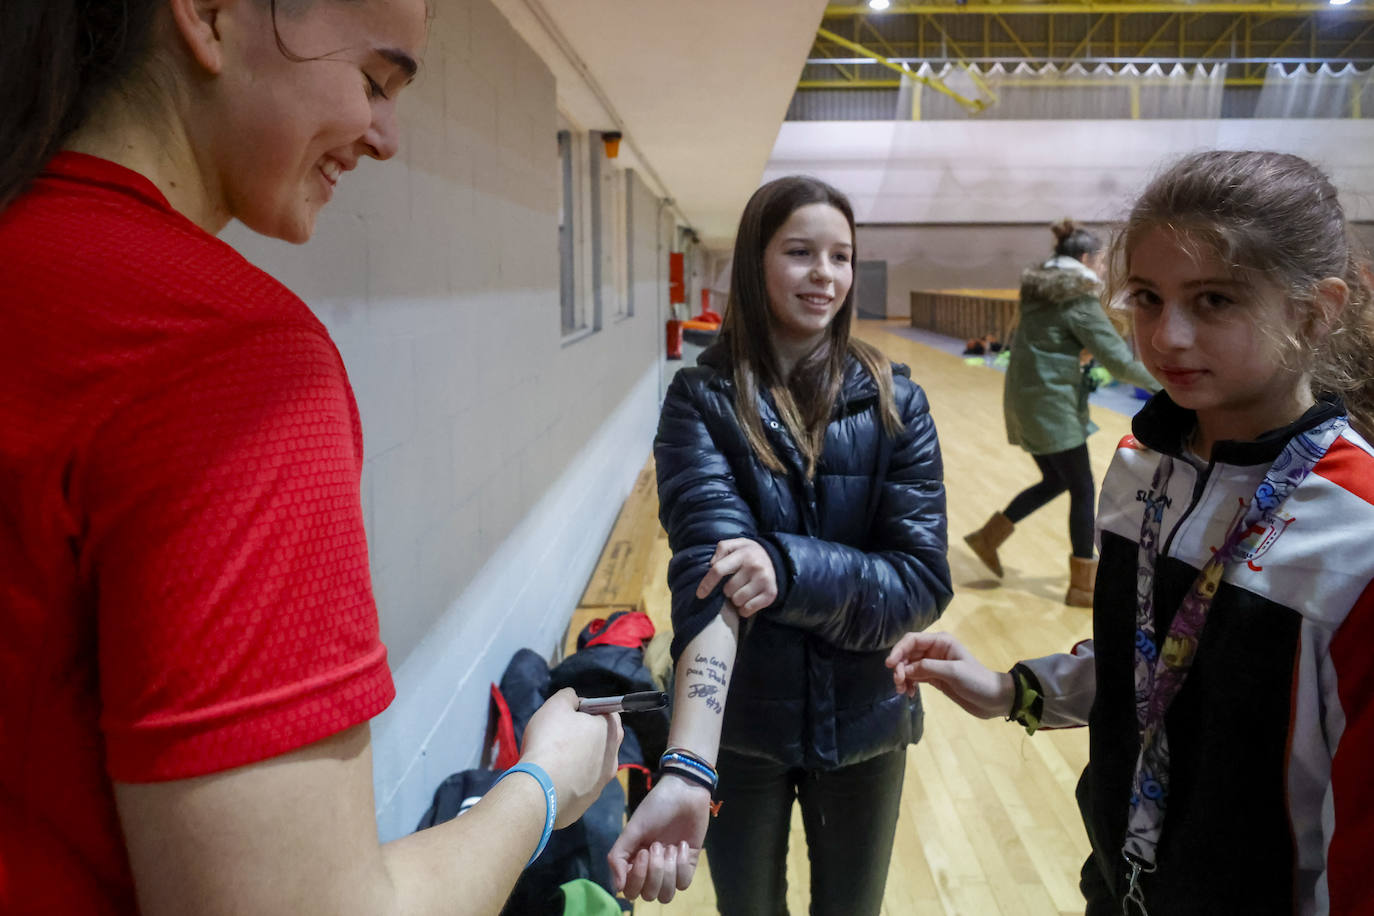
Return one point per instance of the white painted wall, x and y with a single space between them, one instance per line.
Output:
496 457
967 204
954 256
970 256
1037 171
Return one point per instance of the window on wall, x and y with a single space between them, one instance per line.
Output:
613 255
578 220
599 171
595 234
567 233
613 234
627 245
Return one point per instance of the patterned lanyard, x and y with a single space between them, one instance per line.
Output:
1160 672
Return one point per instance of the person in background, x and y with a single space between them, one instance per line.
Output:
1045 399
801 485
1228 688
191 651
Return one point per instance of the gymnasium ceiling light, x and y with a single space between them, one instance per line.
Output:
884 4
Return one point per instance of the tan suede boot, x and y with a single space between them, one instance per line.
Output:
1082 578
985 541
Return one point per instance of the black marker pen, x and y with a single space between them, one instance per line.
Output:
630 702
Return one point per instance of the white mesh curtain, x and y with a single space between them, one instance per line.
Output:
1297 92
1048 92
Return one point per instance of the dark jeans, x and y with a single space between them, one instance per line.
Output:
1062 471
850 816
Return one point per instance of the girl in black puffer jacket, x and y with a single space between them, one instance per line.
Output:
801 487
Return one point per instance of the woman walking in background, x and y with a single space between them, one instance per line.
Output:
1045 400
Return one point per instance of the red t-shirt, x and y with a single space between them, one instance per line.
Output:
183 570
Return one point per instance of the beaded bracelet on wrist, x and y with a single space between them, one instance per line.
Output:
693 763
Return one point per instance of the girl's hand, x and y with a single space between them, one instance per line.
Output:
750 582
656 855
940 660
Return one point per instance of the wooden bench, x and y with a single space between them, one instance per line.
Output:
965 314
621 574
628 564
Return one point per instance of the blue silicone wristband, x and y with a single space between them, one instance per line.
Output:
550 801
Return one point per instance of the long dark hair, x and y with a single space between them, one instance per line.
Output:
1072 240
1275 217
806 397
59 58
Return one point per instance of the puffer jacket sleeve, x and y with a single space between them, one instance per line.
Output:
865 600
699 503
1095 332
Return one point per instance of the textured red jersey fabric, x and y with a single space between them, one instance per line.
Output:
183 570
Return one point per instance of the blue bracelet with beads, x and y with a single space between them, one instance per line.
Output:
686 760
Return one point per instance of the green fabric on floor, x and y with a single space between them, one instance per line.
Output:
587 898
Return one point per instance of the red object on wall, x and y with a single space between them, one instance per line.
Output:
677 278
674 341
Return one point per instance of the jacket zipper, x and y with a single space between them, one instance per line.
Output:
1199 486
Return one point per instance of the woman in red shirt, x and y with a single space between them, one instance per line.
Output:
191 651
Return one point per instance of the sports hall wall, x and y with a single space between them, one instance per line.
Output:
497 453
967 204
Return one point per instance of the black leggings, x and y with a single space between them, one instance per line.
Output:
850 818
1062 471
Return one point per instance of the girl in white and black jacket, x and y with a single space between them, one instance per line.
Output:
1229 686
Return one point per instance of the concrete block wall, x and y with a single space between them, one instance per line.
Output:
951 256
924 172
975 256
496 456
968 204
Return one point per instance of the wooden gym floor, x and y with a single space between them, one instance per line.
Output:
988 825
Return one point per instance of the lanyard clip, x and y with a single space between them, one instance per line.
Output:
1133 904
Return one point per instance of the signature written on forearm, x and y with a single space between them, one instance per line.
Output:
713 670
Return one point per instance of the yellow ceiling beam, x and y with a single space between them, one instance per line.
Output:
1356 43
1357 10
1223 37
1087 39
881 39
1081 81
849 74
1140 52
971 104
949 42
1025 51
1293 36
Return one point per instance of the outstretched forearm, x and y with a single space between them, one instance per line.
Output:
492 841
673 817
297 833
701 680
